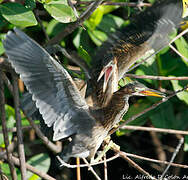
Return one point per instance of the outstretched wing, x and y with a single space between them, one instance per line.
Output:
148 31
53 89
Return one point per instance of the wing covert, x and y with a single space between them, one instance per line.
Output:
53 89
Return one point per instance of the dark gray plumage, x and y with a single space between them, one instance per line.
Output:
56 96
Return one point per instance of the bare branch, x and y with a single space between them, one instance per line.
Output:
177 52
129 4
4 127
14 129
19 129
85 165
4 64
40 22
144 60
160 130
161 155
54 148
91 169
124 156
105 169
173 157
7 82
155 160
78 175
156 77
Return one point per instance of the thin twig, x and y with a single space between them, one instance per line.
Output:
144 60
161 130
158 146
177 52
73 57
156 77
4 128
4 64
72 26
129 4
155 160
7 82
91 169
105 169
40 22
78 175
173 157
19 130
85 165
133 164
14 129
54 148
179 35
73 8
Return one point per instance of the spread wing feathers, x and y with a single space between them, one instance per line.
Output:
54 91
29 108
150 28
162 18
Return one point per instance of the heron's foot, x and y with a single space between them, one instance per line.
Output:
63 163
102 153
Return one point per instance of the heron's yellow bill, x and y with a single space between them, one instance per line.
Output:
152 93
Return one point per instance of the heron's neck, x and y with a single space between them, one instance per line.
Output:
115 109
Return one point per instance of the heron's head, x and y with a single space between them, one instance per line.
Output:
108 71
137 89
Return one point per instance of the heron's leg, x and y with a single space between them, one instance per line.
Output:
109 144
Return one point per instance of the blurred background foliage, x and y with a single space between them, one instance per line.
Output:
54 16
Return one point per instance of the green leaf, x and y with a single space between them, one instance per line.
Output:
10 118
177 85
60 11
30 4
110 23
54 27
17 14
84 54
149 67
181 116
2 50
5 170
182 47
95 18
83 39
3 22
164 116
172 65
98 37
40 161
186 144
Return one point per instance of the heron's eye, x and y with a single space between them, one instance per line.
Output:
136 89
